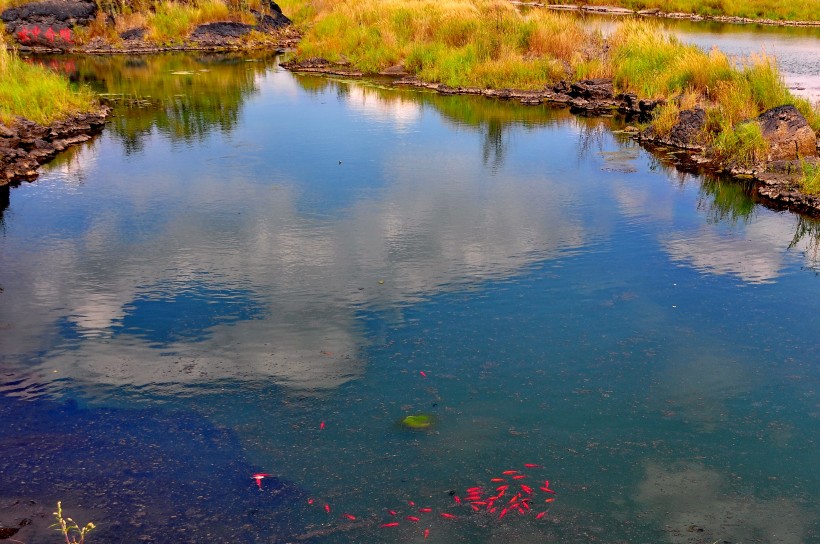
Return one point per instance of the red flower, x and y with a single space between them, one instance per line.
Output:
50 34
65 34
23 35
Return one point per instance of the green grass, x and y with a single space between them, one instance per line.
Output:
461 43
810 180
36 93
804 10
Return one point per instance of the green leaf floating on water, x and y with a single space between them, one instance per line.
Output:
419 421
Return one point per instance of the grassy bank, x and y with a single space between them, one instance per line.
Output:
36 93
491 44
777 10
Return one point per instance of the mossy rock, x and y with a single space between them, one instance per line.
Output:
417 422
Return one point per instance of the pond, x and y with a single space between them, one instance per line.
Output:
252 271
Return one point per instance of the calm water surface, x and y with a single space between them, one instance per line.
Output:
252 271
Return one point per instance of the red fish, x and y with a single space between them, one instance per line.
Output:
310 501
321 425
541 515
259 477
425 510
350 516
411 503
479 503
448 516
501 487
423 374
413 519
426 533
548 490
455 498
327 508
473 489
474 507
391 524
391 512
527 489
532 465
519 477
498 480
549 500
502 514
508 472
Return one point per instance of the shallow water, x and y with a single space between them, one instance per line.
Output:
249 271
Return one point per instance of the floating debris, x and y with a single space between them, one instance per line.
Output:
418 421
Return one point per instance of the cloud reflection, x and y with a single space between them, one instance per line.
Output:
436 224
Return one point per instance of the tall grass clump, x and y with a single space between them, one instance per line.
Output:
650 62
462 43
810 179
36 93
171 21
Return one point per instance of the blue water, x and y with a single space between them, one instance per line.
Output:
267 272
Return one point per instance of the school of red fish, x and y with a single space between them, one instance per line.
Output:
506 495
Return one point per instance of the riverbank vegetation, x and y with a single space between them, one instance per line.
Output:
491 44
168 22
806 10
36 93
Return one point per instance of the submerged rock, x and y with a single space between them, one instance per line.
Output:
788 134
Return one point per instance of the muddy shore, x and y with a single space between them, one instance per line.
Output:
777 188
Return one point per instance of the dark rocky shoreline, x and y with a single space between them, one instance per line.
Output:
25 145
776 178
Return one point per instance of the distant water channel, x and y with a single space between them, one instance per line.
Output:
796 49
252 271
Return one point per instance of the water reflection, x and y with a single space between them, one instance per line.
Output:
302 276
181 95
